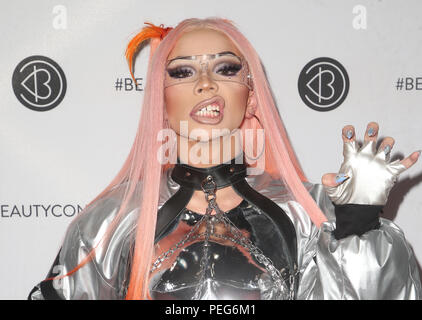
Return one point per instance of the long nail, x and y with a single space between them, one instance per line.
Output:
341 177
349 134
371 132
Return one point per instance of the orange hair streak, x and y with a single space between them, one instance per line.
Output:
150 32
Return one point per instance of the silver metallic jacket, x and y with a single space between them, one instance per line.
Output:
377 265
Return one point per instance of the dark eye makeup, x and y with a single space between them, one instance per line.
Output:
181 72
228 69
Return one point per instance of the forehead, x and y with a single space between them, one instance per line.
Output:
202 41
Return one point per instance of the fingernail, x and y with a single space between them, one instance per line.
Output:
349 134
371 132
341 177
387 149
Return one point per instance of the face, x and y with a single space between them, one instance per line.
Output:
223 103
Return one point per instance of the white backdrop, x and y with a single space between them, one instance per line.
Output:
54 161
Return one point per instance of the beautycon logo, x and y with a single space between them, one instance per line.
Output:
323 84
39 83
39 210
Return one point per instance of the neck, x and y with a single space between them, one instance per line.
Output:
211 152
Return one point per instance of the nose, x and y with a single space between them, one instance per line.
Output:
205 83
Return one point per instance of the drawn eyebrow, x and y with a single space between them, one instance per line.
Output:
227 52
190 57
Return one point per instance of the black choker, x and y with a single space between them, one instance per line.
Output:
223 174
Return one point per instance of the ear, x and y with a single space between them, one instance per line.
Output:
251 105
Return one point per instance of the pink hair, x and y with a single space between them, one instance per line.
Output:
142 163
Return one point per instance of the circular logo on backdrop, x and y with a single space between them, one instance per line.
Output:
323 84
39 83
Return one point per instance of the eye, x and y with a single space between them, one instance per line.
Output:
228 69
181 72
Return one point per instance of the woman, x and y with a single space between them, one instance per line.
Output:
243 223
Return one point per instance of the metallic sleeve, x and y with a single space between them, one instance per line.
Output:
377 265
36 294
103 277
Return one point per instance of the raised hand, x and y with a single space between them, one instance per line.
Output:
366 176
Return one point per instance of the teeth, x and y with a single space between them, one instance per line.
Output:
211 107
211 110
207 113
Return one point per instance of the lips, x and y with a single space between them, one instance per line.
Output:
210 111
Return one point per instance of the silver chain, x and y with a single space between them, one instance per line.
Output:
237 238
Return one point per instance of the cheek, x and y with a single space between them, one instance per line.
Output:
241 97
176 101
178 96
239 102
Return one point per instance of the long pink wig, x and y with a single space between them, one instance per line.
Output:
143 166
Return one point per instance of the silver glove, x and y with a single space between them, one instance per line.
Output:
371 176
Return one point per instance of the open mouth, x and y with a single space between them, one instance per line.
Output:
209 111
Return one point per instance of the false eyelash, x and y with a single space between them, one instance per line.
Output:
180 72
232 68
